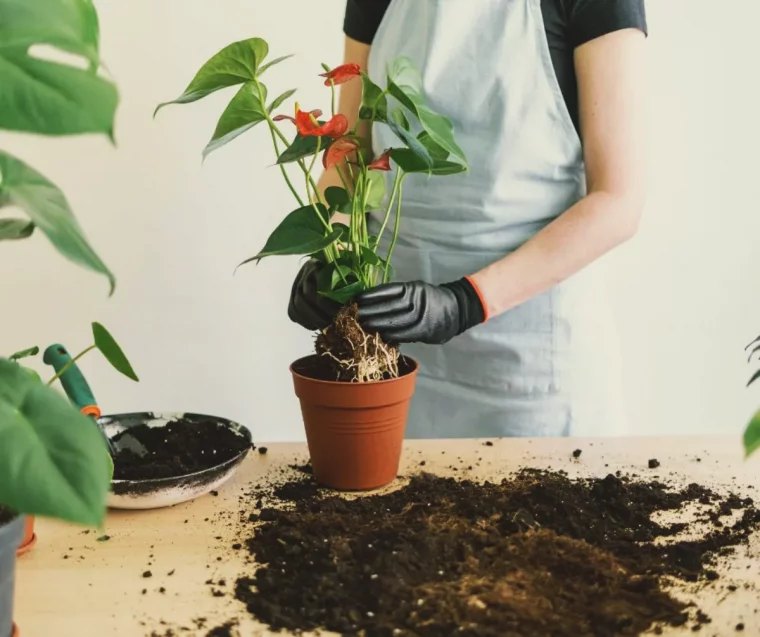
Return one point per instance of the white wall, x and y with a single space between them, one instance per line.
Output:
173 231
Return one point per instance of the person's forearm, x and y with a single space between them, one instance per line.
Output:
585 232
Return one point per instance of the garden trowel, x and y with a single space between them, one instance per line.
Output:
79 393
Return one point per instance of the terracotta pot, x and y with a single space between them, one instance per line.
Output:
10 538
355 431
30 537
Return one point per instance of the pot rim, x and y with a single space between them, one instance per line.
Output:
412 372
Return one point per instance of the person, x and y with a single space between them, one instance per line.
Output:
494 292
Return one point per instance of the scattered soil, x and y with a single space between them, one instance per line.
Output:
225 630
180 448
345 352
537 554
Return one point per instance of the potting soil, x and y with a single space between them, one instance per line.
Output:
178 449
538 554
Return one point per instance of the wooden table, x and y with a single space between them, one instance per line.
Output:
74 585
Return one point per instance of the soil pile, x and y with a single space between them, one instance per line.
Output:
539 554
180 448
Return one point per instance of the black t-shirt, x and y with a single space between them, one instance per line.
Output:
568 23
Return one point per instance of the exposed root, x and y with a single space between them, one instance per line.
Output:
354 355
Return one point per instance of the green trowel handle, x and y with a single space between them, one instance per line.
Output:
73 381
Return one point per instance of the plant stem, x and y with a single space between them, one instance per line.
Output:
396 227
70 364
332 96
272 129
301 163
394 191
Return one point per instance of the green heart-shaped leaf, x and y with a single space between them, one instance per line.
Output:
44 96
752 435
234 64
47 207
374 106
14 229
337 198
412 143
303 147
410 163
112 351
244 111
55 460
405 84
300 233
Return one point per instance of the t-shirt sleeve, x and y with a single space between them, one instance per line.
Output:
363 18
591 19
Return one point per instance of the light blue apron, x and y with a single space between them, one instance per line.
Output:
550 366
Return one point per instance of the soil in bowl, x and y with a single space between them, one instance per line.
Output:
180 448
537 554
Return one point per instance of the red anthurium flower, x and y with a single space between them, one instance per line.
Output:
381 163
278 118
335 128
339 150
342 74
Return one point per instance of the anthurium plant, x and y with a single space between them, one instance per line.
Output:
752 433
332 226
53 460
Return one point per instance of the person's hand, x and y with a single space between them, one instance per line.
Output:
307 307
417 312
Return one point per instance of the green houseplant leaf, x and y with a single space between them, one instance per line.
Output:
300 233
25 353
277 102
405 84
337 198
413 144
60 462
752 435
271 63
303 147
244 111
45 96
235 64
410 163
112 351
47 207
374 106
70 25
345 294
14 229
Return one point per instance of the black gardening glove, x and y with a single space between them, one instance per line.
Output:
418 312
307 307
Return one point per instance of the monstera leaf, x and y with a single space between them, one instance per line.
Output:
23 187
40 95
55 461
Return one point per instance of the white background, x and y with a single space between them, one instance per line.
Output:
173 231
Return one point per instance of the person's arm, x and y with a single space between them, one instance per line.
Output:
611 88
349 102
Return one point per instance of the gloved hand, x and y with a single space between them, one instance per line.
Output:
418 312
307 307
